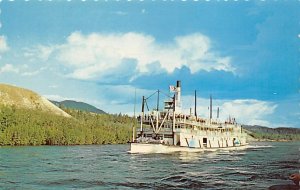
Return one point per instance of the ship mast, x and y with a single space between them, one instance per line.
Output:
210 109
157 111
133 128
173 124
196 104
142 116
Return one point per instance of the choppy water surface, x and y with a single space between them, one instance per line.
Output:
111 167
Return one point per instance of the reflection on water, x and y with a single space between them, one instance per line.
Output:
189 156
259 166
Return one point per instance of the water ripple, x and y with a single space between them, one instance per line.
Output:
110 167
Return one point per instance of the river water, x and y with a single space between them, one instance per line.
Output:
111 167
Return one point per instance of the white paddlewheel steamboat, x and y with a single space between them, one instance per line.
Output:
170 130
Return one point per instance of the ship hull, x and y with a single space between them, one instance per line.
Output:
145 148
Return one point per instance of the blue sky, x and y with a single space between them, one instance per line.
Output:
246 54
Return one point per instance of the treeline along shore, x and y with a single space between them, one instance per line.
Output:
21 126
27 118
262 133
34 127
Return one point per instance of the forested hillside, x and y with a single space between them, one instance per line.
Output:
19 126
276 134
26 118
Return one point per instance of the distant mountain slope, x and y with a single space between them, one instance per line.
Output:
280 130
70 104
23 98
265 133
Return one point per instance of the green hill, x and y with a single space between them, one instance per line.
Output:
70 104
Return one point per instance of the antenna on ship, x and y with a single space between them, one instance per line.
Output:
157 108
133 128
210 108
142 116
218 111
196 104
173 121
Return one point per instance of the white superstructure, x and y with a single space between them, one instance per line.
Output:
170 130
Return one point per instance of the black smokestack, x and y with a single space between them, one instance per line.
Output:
210 115
178 83
143 102
195 103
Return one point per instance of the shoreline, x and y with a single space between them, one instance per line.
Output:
271 140
251 141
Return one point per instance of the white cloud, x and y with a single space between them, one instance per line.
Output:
30 74
3 44
246 111
53 86
56 97
22 70
250 111
121 98
121 13
8 68
96 103
60 98
101 55
40 52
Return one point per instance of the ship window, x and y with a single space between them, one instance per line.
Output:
168 136
204 140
